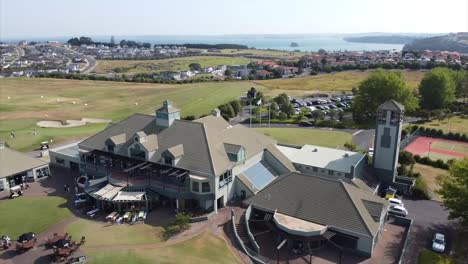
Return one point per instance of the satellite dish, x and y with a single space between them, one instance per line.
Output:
42 96
136 103
86 104
8 97
74 102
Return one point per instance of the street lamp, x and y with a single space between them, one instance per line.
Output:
429 152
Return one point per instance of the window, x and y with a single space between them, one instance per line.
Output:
205 187
385 138
195 186
330 172
43 172
233 157
315 169
307 168
225 178
110 148
2 187
59 161
168 160
136 139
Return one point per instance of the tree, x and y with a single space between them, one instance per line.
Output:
236 106
195 66
333 113
406 158
281 99
437 89
317 115
461 82
378 88
454 190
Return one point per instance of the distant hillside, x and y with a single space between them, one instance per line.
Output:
396 39
453 42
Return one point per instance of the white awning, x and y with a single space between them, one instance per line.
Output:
129 196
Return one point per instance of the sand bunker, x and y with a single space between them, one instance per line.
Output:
72 123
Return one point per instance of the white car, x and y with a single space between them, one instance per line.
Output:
438 243
395 201
397 210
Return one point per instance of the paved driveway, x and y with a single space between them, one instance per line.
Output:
429 217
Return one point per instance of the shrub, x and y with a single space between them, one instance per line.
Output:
182 220
420 189
350 146
417 158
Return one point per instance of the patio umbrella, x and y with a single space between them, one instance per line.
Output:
26 237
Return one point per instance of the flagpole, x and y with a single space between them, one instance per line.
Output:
269 115
260 112
250 112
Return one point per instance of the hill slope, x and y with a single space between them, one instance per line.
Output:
453 42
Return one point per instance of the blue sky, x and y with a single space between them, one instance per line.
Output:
44 18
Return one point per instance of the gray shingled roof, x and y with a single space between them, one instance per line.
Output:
322 201
12 162
392 105
129 126
203 141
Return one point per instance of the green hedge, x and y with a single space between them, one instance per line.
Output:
429 257
434 163
439 133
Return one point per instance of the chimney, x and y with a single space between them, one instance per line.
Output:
216 112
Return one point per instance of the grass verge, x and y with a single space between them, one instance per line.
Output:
31 214
301 136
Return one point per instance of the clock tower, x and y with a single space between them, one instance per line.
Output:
387 140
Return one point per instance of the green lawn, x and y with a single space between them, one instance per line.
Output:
301 136
204 248
175 64
429 257
456 124
31 214
21 105
334 82
430 175
99 234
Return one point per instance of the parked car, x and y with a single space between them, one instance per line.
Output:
438 243
308 103
332 106
306 124
396 201
397 210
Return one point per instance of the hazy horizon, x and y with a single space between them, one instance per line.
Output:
54 18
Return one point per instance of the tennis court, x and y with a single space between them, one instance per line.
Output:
437 148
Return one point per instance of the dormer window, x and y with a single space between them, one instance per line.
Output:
136 139
235 153
168 160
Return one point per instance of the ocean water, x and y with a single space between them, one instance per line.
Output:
279 42
307 42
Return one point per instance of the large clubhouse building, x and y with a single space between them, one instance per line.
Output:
303 193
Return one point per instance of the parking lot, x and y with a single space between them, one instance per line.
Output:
429 217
